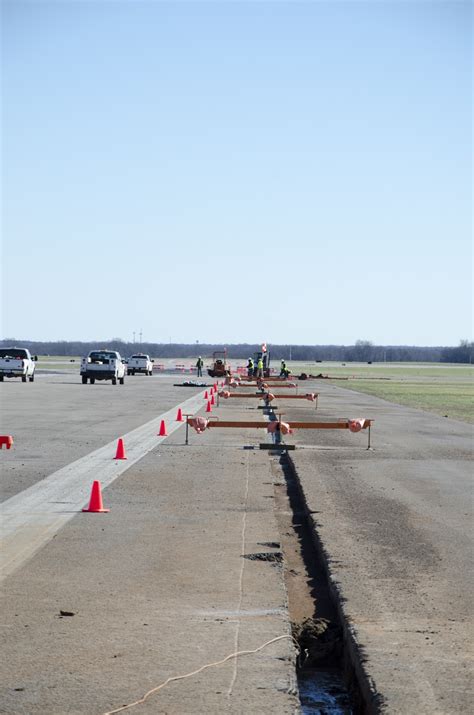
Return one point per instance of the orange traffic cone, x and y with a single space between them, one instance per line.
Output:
213 402
179 416
162 432
206 396
215 387
208 408
7 440
120 450
95 503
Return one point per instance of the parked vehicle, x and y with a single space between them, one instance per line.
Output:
139 363
103 365
16 362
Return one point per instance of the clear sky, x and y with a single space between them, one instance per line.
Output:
294 172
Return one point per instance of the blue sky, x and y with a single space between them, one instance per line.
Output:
295 172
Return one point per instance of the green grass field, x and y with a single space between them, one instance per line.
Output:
446 398
57 362
440 388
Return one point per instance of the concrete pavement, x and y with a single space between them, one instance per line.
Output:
159 587
56 420
396 526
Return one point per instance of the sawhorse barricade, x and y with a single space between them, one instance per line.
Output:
264 386
267 397
276 428
270 378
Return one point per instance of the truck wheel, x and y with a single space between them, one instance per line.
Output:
122 380
92 379
1 378
84 380
32 378
128 372
114 381
23 378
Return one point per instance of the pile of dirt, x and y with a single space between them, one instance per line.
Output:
320 642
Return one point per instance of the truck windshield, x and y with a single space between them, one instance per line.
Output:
137 357
13 353
102 356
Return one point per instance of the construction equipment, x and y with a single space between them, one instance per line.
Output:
219 367
264 356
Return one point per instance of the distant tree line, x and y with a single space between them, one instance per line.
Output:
464 353
362 351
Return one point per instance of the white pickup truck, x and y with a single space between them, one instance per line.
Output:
16 362
139 363
102 365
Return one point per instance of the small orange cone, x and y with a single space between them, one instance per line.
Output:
208 408
179 416
215 387
206 396
162 432
213 402
95 504
120 450
7 440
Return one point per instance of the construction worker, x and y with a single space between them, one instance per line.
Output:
260 367
250 367
283 370
199 365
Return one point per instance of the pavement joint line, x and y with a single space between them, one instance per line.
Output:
241 574
31 518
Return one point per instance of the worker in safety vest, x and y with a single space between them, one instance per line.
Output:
250 367
260 368
199 365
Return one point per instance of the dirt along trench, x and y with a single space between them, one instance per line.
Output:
326 682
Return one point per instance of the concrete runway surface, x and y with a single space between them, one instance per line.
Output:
160 586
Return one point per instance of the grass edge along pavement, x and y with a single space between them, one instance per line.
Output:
447 400
444 389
